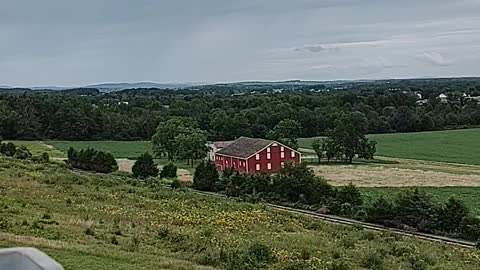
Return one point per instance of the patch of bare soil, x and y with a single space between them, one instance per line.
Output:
125 165
386 176
184 176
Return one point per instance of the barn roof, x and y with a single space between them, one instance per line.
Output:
244 147
222 144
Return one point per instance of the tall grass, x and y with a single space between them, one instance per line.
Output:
87 221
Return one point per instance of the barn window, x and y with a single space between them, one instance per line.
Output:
257 167
257 156
269 166
268 149
282 164
282 148
282 154
269 156
293 154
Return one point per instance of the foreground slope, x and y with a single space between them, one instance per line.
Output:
88 221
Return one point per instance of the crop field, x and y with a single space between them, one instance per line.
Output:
87 221
119 149
408 174
455 146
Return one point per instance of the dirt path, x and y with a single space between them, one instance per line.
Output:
125 165
405 173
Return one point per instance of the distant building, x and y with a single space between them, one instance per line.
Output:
215 147
421 102
443 98
250 155
469 98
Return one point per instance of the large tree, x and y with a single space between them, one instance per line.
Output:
165 139
192 145
348 139
145 167
287 131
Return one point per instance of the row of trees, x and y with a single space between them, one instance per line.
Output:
298 185
294 114
92 160
346 141
417 211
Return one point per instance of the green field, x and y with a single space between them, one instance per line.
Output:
39 147
469 195
119 149
456 146
88 221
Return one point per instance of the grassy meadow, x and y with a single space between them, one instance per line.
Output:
455 146
119 149
40 147
88 221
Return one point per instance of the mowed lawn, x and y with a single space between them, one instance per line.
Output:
119 149
456 146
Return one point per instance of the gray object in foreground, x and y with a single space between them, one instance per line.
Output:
26 259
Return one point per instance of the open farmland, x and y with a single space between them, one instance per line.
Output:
86 221
405 173
455 146
119 149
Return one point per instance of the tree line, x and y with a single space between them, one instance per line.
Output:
117 116
298 186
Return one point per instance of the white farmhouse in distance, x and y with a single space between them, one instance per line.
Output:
443 98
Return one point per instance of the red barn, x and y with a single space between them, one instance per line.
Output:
255 155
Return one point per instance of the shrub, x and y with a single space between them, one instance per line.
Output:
260 253
175 184
451 214
43 158
169 171
349 194
470 228
373 260
145 167
92 160
255 183
299 183
8 149
22 153
416 209
206 176
381 211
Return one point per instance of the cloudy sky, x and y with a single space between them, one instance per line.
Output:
78 42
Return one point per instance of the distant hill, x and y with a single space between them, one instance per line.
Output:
109 87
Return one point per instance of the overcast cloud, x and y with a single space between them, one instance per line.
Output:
66 42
